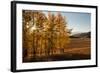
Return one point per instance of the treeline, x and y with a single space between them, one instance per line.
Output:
43 33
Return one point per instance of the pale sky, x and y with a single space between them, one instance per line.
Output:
79 22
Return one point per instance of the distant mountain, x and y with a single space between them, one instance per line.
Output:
81 35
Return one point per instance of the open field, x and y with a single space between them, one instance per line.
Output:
79 46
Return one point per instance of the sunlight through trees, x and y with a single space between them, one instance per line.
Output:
44 35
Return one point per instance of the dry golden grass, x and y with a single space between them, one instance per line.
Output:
79 46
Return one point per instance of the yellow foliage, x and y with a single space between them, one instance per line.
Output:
50 32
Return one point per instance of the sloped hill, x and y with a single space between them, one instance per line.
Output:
81 35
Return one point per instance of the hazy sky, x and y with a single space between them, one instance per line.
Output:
79 22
